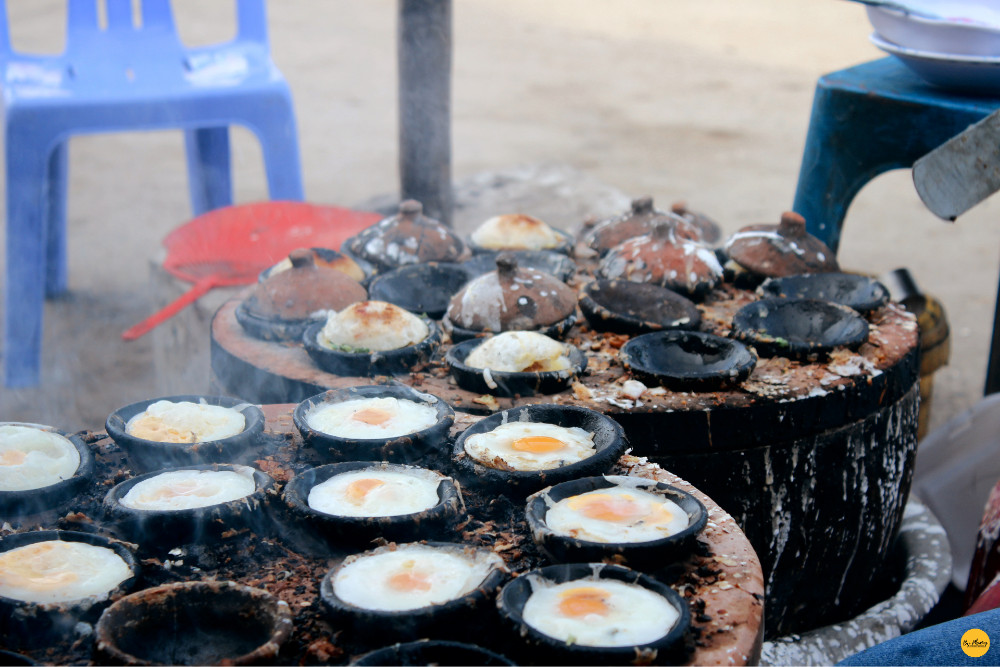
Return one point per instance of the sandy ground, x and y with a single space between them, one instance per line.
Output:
706 102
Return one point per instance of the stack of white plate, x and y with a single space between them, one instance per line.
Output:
952 44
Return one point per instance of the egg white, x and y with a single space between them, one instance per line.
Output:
188 489
616 514
184 421
32 458
412 576
519 351
374 492
598 612
372 326
526 446
57 571
515 231
353 418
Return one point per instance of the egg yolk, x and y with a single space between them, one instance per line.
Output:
12 457
181 488
39 569
372 416
359 489
619 509
585 601
409 580
537 444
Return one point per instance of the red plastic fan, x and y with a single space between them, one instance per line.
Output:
232 245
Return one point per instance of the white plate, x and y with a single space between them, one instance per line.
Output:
975 74
966 29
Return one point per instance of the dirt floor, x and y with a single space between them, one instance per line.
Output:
706 102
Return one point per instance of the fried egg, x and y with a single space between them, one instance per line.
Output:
372 326
188 489
412 576
520 351
167 421
57 571
515 231
598 612
375 492
616 514
32 458
530 446
372 418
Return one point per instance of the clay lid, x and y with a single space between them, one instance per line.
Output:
784 249
328 258
636 222
709 229
304 289
511 299
661 257
409 237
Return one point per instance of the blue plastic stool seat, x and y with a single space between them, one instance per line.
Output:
867 120
126 77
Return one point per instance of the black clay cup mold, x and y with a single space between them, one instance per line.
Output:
368 364
862 293
688 360
149 455
551 262
509 383
54 497
452 619
420 288
609 442
194 623
432 652
622 306
408 448
434 522
649 555
158 530
27 625
541 648
798 328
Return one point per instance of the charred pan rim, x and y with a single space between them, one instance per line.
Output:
435 283
448 617
362 364
652 554
149 455
515 593
252 602
406 448
53 496
40 624
271 329
401 527
736 364
603 316
509 384
554 330
565 245
432 652
555 264
862 293
609 442
156 528
765 325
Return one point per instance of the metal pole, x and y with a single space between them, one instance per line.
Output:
424 50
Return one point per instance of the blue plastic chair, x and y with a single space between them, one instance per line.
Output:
867 120
128 75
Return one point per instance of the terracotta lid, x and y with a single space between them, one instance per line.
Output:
663 258
409 237
635 222
304 289
511 299
709 229
784 249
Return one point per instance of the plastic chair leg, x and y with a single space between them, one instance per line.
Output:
24 288
56 189
209 176
276 130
